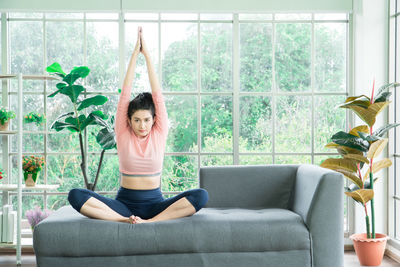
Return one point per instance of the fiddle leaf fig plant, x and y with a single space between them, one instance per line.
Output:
360 148
76 121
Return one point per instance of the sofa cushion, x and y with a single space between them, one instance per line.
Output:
68 233
264 186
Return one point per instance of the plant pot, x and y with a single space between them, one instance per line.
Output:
369 251
30 179
4 127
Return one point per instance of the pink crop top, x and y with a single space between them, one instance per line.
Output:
140 156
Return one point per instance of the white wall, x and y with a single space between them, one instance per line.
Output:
370 19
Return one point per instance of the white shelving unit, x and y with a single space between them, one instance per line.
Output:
19 187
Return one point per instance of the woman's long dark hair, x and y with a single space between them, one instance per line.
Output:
141 101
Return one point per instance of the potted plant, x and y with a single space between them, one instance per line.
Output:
359 149
5 117
31 166
76 121
36 215
33 117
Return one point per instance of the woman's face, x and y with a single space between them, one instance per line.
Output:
141 122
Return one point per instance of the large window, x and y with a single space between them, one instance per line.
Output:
239 89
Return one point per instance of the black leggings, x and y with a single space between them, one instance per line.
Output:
143 203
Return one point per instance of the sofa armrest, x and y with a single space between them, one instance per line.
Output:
318 199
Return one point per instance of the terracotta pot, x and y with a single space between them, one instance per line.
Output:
4 127
30 179
369 251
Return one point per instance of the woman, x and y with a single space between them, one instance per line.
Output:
141 129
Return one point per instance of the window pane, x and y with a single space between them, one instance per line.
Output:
255 124
255 16
64 42
178 16
63 142
30 143
102 56
179 56
293 124
339 16
293 57
141 16
102 16
179 173
330 57
295 159
218 160
216 16
63 15
182 116
216 123
26 47
25 15
150 35
328 120
55 202
65 171
292 16
108 179
255 160
29 202
216 54
255 57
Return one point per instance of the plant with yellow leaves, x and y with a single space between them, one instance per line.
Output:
360 148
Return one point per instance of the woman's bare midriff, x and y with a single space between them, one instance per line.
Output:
141 183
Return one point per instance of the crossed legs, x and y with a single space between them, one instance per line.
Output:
95 206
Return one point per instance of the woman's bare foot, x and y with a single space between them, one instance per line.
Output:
140 220
132 219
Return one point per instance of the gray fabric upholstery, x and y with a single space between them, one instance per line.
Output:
249 186
298 258
209 230
272 215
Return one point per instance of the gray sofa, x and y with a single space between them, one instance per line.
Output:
272 215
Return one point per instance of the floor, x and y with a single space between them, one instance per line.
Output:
350 260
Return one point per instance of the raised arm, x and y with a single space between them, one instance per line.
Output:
121 118
161 120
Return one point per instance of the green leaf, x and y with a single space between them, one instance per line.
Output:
71 78
384 97
54 94
72 92
106 139
382 130
61 85
96 100
349 140
55 68
58 126
81 71
384 89
58 119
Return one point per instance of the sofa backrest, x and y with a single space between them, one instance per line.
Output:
264 186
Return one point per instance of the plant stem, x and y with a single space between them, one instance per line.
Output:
98 168
371 180
367 223
83 164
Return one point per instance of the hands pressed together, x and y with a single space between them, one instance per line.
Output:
141 46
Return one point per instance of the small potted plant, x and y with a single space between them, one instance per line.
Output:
5 116
36 215
31 166
33 117
359 149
